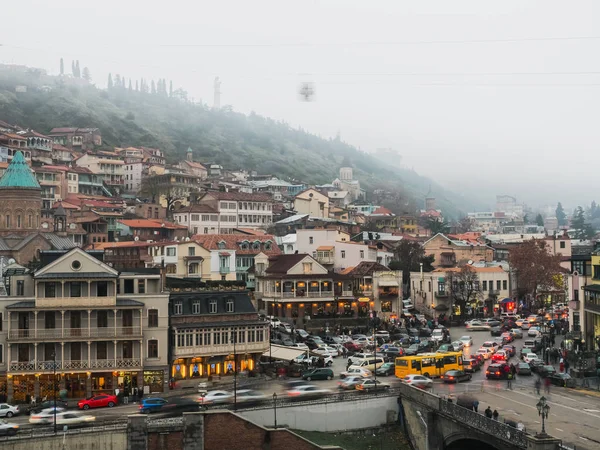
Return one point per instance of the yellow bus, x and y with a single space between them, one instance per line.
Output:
428 364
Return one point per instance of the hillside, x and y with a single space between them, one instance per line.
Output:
132 118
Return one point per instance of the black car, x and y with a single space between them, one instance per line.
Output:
497 371
424 332
391 355
456 376
386 369
287 342
496 331
562 379
536 365
413 332
546 371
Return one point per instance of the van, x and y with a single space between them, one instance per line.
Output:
370 363
530 345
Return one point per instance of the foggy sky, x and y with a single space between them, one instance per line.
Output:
485 97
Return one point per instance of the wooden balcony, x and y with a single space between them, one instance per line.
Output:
223 349
75 302
71 365
102 333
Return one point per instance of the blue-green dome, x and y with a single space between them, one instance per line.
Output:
18 175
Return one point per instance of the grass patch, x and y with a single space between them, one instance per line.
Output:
390 439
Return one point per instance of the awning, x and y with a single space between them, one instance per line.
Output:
282 352
506 300
388 283
364 299
324 248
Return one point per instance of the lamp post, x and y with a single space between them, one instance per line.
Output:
543 410
234 370
275 410
54 385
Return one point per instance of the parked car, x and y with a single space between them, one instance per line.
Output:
386 369
326 351
370 385
523 368
456 376
284 327
356 371
307 391
497 371
419 381
8 429
358 357
467 341
98 401
471 365
332 340
349 383
562 379
546 370
7 410
352 346
491 322
301 346
318 374
287 342
302 334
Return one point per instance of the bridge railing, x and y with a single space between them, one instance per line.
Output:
481 422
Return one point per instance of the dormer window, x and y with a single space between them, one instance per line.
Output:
230 306
256 245
268 245
245 245
221 245
213 307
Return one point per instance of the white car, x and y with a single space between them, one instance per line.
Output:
534 332
7 410
466 340
303 358
45 416
73 418
356 371
250 396
418 381
382 334
217 397
517 333
528 357
308 391
475 325
492 345
8 429
345 338
359 356
458 346
326 351
437 335
301 346
485 352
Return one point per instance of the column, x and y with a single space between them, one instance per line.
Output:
62 287
141 353
62 331
8 326
62 355
35 356
141 320
89 354
89 322
115 354
35 315
115 313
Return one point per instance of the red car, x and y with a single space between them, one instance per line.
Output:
351 346
98 401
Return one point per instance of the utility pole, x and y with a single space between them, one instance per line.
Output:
234 370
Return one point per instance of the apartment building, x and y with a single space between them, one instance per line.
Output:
107 165
133 176
313 203
98 329
450 252
186 259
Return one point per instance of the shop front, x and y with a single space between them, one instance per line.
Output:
127 382
49 386
102 383
23 387
203 367
75 385
154 381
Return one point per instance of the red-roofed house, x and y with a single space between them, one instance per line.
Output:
77 138
383 219
155 230
190 166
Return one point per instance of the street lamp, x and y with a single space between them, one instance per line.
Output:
543 410
234 370
275 410
54 385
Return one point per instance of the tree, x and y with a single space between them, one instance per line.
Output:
463 287
535 267
408 257
152 87
87 76
62 66
539 220
526 219
436 226
464 225
130 87
110 81
73 70
171 88
583 230
137 86
561 216
117 81
157 189
77 70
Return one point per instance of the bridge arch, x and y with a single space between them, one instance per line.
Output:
462 441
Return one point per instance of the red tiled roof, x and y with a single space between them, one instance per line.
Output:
382 211
65 205
63 130
195 165
129 244
14 136
79 169
234 241
149 223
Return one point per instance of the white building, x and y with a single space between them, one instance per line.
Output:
106 164
133 176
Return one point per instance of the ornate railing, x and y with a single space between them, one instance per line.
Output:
480 422
85 332
46 366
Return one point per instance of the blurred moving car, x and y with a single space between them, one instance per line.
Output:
216 397
7 410
45 416
349 383
98 401
456 376
249 396
369 385
523 368
476 325
318 374
356 371
467 341
562 379
419 381
8 429
174 406
38 407
307 391
73 418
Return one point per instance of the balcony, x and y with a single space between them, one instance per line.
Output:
343 293
66 302
223 270
74 333
223 349
93 364
307 295
443 294
325 259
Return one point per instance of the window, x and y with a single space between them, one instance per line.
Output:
196 308
7 221
102 319
193 268
49 289
230 306
256 246
195 217
221 245
19 221
498 285
141 286
213 307
171 251
343 253
171 268
244 245
191 251
267 246
310 240
307 267
102 289
362 254
30 221
75 289
152 318
20 287
153 348
504 284
562 244
484 285
178 308
49 320
102 350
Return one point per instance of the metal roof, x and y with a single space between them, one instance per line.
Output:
18 175
27 304
128 302
66 275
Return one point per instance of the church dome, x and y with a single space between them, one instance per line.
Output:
18 175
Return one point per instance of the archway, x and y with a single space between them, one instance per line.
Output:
469 444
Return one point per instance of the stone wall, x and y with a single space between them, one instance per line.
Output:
114 440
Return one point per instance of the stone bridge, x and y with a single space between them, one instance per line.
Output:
433 423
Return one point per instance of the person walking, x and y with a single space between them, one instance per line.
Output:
495 414
488 412
547 385
475 405
538 385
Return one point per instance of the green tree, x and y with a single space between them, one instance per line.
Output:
526 219
561 216
87 76
539 220
408 257
62 66
583 230
436 226
110 81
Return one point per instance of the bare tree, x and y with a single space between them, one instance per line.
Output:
464 287
158 188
